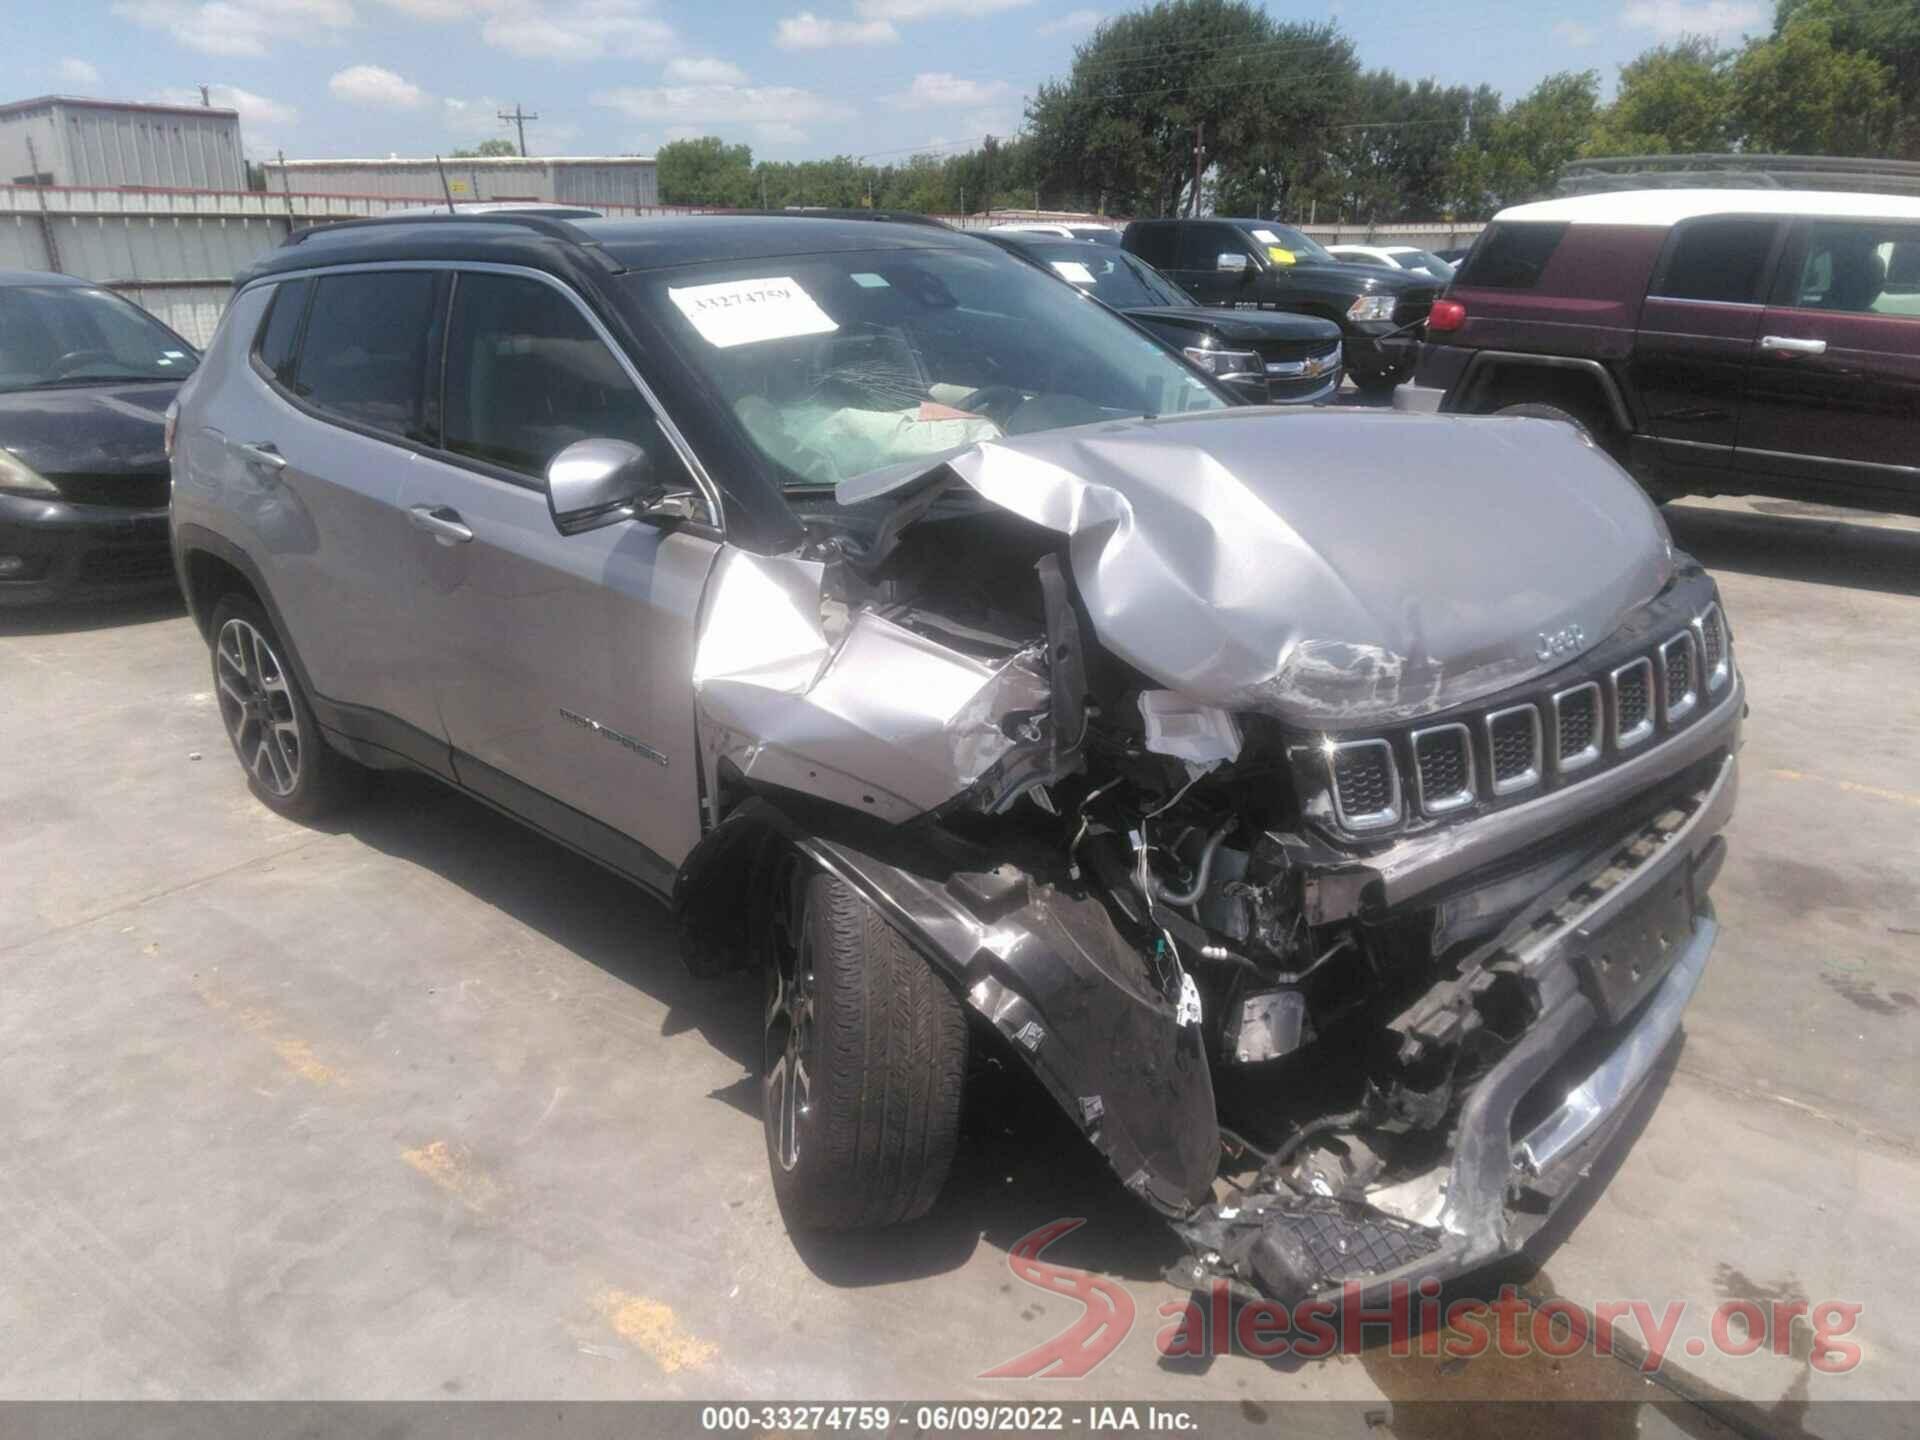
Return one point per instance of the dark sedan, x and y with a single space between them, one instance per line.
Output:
1265 357
85 381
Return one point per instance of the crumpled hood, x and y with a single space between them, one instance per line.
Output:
1336 568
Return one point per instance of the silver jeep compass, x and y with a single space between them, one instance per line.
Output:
1321 804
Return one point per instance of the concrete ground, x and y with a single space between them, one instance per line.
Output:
416 1104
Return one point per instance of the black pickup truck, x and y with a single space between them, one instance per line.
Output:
1263 265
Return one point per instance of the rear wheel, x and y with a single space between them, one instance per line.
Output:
289 766
865 1055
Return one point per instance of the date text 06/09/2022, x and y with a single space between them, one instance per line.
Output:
962 1418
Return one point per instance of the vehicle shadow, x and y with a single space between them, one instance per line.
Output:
1800 542
71 618
1020 1164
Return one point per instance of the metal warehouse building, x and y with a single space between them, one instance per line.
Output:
616 180
109 143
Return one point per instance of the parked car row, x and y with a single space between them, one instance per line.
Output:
947 647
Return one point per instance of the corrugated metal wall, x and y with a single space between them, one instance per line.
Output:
183 149
613 182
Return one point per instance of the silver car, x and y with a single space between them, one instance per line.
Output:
1322 805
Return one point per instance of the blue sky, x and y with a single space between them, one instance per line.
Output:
792 78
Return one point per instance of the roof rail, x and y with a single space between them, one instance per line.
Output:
830 212
553 229
1739 172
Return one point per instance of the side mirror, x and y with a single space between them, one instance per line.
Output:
595 483
1231 260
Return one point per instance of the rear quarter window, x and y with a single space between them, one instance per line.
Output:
280 330
1512 256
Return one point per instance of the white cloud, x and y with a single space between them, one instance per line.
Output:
374 85
255 110
778 114
239 27
807 31
582 30
1670 19
1573 33
933 90
927 9
78 73
687 70
1071 21
441 9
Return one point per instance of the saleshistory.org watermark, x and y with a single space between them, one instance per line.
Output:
1410 1320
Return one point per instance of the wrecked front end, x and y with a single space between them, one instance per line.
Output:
1329 832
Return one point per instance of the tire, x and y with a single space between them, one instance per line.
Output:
290 767
1383 382
866 1055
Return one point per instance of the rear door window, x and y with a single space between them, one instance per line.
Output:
368 342
1512 256
1859 267
527 376
1718 260
280 331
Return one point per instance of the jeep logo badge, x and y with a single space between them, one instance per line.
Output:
1560 642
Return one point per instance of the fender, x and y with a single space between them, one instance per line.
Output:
1484 360
1044 967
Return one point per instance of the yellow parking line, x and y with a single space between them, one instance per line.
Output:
1874 792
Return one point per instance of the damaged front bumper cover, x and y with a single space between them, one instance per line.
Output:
1528 1129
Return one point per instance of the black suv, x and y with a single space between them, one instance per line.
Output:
1263 265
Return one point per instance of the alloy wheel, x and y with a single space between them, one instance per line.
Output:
256 702
790 1013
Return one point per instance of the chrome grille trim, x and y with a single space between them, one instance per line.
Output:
1453 800
1678 707
1579 759
1527 778
1625 738
1368 819
1711 625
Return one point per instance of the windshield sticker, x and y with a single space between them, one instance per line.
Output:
1266 237
745 312
1280 255
1073 270
871 282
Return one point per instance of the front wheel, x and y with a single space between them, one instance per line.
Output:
865 1056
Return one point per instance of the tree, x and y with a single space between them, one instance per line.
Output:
486 150
706 171
1537 135
1885 30
1394 156
1799 94
1674 99
1120 131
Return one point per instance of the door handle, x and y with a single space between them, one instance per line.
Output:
1789 345
263 453
442 522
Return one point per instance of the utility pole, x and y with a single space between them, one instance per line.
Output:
40 194
518 118
1199 149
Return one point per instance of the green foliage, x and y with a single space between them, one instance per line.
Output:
1290 127
1800 93
487 150
1675 99
1259 96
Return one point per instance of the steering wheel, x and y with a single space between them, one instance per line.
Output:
77 359
996 402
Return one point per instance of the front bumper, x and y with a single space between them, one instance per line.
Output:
1376 347
54 550
1529 1127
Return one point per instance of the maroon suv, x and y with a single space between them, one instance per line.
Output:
1712 341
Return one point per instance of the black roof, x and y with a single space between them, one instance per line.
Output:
549 243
